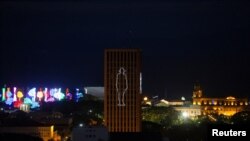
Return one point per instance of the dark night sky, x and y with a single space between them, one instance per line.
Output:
61 43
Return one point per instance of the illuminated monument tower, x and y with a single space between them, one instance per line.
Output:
122 87
197 93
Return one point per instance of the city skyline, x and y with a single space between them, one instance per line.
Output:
61 43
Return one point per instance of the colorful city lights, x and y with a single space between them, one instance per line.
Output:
58 94
14 97
68 94
45 94
3 94
33 97
40 95
19 95
32 93
78 95
9 97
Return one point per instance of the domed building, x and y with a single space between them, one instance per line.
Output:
227 106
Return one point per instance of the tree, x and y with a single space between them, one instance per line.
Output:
165 116
241 118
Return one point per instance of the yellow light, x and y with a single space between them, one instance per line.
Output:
145 98
230 98
185 114
19 94
39 94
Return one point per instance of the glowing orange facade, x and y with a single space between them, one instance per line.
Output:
226 106
122 88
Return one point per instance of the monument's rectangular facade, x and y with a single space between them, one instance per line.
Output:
122 90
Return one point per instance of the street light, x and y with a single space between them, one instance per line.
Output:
185 114
80 125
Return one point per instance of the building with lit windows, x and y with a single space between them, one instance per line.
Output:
226 106
97 92
122 90
90 133
44 132
189 111
166 103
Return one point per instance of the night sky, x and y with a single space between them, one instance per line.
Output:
61 43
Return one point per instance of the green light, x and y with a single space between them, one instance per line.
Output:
3 94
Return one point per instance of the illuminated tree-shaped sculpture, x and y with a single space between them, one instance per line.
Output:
78 95
32 93
30 102
39 95
45 92
59 95
9 97
50 95
19 95
3 94
68 94
14 94
17 104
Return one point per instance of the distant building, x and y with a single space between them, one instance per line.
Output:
61 124
90 133
122 88
167 103
226 106
95 91
44 132
189 111
182 106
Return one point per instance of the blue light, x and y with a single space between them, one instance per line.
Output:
32 93
9 98
59 95
78 95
